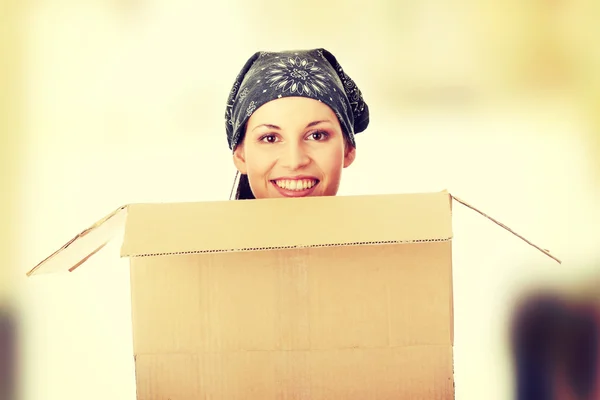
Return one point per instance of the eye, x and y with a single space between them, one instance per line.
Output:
269 138
318 136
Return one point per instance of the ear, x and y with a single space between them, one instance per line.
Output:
349 156
239 159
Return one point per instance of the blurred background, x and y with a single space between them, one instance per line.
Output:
107 102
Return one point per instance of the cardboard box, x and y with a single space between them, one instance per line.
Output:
313 298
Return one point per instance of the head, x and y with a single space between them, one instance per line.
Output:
291 121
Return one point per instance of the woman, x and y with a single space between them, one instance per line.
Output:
291 118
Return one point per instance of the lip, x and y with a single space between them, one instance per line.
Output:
295 178
295 193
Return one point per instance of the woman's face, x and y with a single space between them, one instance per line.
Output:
293 147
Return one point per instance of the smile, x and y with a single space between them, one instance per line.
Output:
295 187
296 184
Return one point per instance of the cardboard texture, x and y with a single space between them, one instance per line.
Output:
313 298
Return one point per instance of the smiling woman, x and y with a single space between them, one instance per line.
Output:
290 121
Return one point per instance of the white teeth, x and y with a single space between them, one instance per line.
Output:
297 185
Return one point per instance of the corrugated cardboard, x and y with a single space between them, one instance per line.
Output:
312 298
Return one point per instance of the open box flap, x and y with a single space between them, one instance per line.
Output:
230 226
545 251
184 228
87 243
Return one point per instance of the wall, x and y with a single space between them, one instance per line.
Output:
123 101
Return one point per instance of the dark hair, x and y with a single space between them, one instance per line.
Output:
243 190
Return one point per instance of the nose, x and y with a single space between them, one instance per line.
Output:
294 157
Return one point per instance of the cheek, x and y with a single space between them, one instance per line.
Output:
332 161
331 164
258 163
258 168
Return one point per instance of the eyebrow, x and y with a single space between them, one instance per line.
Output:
271 126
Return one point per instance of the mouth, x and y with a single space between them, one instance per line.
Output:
295 187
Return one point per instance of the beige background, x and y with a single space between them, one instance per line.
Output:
111 102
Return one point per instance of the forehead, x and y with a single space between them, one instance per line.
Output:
291 111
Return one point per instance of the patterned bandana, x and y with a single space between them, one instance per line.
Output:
314 74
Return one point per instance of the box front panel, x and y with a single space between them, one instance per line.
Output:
419 372
252 311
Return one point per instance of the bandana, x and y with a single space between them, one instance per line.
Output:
315 74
